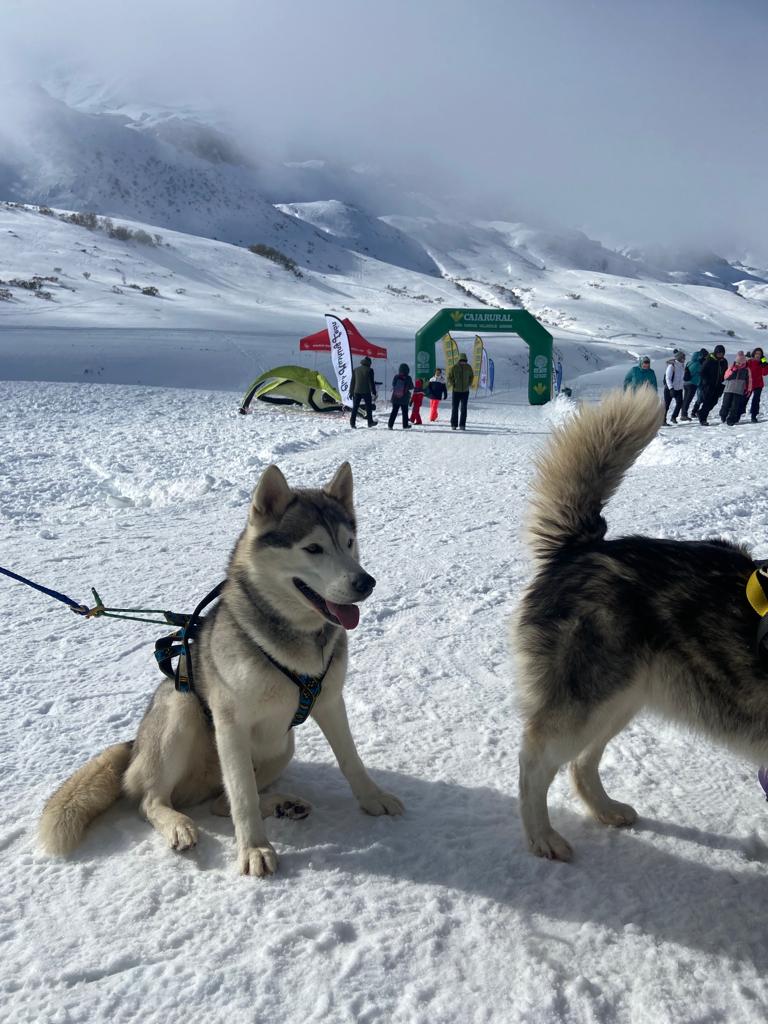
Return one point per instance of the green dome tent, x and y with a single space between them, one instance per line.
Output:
293 385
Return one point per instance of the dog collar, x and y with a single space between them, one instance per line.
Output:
756 591
757 595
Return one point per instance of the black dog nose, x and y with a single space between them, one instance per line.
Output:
364 583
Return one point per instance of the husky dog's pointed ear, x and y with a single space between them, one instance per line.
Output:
271 496
340 487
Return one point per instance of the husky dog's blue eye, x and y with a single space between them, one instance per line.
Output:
313 549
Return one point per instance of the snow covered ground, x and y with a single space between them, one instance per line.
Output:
438 916
141 490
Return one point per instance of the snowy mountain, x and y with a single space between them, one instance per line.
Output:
83 146
355 229
169 169
169 204
108 274
170 172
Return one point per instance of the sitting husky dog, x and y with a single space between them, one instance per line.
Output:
608 627
291 593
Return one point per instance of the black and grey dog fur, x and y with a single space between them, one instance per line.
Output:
608 627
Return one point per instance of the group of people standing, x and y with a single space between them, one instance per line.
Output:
706 377
409 394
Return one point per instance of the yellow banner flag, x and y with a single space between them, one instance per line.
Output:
451 350
477 360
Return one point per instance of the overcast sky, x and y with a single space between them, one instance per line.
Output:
632 120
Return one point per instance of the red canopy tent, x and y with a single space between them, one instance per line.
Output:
359 346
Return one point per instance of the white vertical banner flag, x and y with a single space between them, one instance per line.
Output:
484 371
341 357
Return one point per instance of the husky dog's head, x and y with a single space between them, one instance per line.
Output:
302 553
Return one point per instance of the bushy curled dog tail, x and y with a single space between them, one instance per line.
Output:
583 466
83 797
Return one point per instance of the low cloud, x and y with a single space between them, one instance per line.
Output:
633 122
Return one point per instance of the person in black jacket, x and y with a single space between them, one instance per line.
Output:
402 386
363 390
436 391
711 382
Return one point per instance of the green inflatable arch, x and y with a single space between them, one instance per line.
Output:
483 321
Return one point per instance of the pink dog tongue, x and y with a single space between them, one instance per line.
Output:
347 614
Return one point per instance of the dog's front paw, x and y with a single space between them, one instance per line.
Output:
552 846
257 860
379 802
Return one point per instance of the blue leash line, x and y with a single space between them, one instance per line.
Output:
79 609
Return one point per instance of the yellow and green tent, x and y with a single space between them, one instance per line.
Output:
293 385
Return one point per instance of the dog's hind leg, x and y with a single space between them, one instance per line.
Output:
540 759
179 831
586 776
173 742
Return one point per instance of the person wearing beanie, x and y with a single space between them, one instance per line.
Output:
691 380
402 385
711 387
673 381
363 390
758 371
641 375
735 390
436 392
460 377
416 399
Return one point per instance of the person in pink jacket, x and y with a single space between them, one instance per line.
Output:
735 390
757 365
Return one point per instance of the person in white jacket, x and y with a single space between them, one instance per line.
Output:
673 378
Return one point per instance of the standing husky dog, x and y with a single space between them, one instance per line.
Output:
608 627
292 588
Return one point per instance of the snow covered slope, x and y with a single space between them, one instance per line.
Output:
236 304
171 172
357 230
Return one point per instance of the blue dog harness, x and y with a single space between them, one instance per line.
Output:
178 644
309 687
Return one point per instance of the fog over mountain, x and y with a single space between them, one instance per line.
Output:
635 123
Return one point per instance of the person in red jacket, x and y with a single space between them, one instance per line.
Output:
416 399
758 371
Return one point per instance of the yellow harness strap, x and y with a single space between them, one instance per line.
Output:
755 593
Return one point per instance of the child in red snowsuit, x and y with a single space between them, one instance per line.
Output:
416 399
